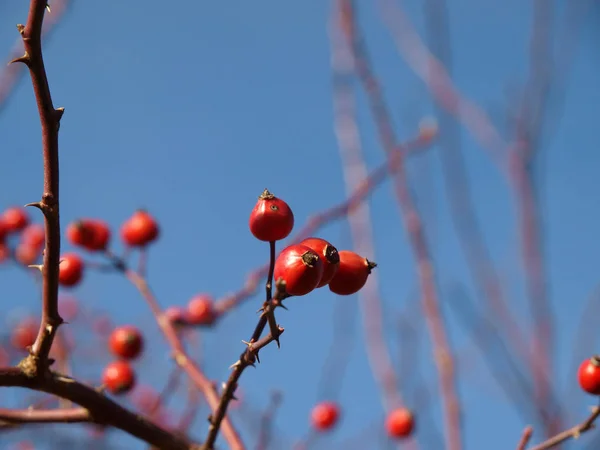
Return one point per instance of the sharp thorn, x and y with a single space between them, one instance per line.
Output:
37 205
256 356
21 28
48 7
22 59
235 364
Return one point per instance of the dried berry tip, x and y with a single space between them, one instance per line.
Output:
266 195
595 360
371 265
310 259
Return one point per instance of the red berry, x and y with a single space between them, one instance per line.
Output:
200 310
27 254
15 219
324 416
271 219
589 375
3 229
70 269
68 308
24 334
300 267
126 342
352 273
118 377
328 254
139 230
34 235
91 234
400 423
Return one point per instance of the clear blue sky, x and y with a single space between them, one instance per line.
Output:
190 109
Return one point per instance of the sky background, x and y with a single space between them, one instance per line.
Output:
191 109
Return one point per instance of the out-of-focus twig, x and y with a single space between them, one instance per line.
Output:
414 228
266 422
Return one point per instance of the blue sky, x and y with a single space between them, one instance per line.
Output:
191 110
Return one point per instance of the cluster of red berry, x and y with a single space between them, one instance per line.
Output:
126 343
312 263
94 235
15 222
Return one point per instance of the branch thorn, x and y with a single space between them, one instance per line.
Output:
22 59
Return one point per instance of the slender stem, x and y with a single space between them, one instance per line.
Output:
247 358
525 438
179 354
50 119
571 433
269 285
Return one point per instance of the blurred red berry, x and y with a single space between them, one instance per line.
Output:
328 254
24 334
589 375
68 307
15 219
300 268
3 229
27 254
145 398
399 423
70 269
271 219
34 235
325 416
200 310
118 377
126 342
91 234
352 273
4 252
139 230
102 325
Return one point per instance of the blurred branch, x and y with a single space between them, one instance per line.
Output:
266 422
414 228
571 433
359 218
11 74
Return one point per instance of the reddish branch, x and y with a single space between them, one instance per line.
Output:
348 138
525 438
37 363
416 234
179 354
100 409
517 169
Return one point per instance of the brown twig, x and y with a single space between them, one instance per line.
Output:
179 354
30 415
571 433
101 409
247 358
414 228
37 363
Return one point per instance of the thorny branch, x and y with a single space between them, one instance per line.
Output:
37 363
